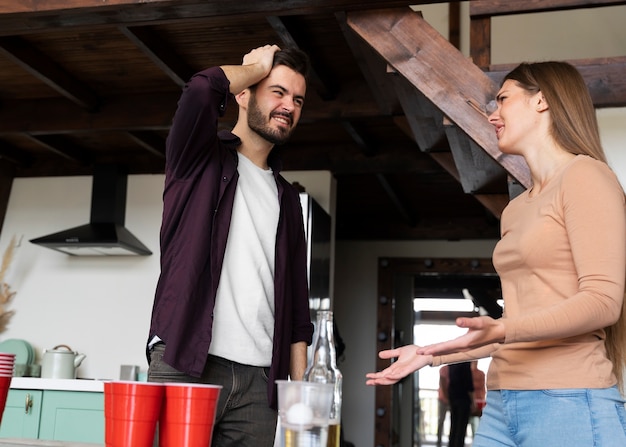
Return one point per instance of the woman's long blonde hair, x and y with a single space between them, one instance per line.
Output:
574 128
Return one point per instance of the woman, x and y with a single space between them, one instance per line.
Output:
559 351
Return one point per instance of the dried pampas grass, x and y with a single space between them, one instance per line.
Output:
5 290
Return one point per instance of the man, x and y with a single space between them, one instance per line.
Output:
480 393
231 304
443 402
460 396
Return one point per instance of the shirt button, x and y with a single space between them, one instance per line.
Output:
224 179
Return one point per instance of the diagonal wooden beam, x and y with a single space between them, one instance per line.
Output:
48 71
149 141
287 32
159 52
397 200
362 141
424 57
9 153
370 149
59 145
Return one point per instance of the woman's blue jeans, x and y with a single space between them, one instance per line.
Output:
243 417
553 418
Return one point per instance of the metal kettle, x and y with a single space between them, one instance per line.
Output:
60 362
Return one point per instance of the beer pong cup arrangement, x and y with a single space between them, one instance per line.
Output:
304 411
185 413
188 415
7 362
131 413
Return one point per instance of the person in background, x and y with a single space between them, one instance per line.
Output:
478 378
443 402
461 398
231 304
559 350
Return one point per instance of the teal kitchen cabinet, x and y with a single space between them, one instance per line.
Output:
76 416
22 414
72 416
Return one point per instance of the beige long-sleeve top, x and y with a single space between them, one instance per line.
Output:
561 261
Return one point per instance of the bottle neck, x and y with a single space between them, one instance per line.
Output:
323 364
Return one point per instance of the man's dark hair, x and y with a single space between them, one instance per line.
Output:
295 59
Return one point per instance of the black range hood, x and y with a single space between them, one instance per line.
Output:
105 234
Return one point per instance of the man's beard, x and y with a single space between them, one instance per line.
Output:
258 123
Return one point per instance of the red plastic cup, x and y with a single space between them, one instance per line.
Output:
188 415
131 411
5 383
108 413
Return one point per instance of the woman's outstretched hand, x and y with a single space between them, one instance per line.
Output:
408 361
481 331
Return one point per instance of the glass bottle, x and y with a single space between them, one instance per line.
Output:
323 369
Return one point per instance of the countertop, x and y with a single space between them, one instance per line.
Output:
40 443
35 383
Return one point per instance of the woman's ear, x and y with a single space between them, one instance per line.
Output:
541 104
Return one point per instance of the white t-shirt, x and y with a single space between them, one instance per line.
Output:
243 325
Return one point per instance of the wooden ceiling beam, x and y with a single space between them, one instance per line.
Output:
369 149
507 7
20 17
57 116
397 200
345 159
159 52
42 67
143 112
60 145
431 229
10 153
149 141
289 35
604 78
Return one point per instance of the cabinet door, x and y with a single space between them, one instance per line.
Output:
72 416
21 414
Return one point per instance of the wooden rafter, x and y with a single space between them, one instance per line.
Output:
159 53
492 8
48 71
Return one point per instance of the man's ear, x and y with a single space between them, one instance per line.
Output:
243 97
